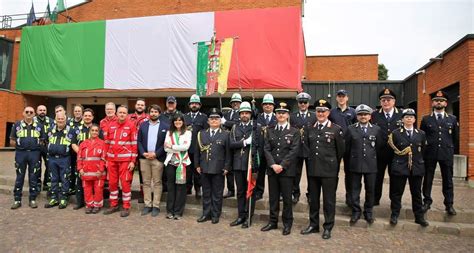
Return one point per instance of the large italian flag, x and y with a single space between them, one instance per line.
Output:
159 52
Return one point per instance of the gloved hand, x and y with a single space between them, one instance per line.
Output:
248 141
223 120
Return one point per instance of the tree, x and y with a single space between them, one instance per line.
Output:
383 72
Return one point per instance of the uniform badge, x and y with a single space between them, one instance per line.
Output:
124 134
419 149
69 136
99 151
77 131
450 131
373 144
38 129
18 128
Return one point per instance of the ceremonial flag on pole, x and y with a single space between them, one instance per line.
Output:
202 61
213 65
251 182
31 16
46 18
54 15
224 64
60 5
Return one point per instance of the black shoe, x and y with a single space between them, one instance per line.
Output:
78 206
33 204
269 227
111 210
88 210
246 224
155 211
51 203
95 210
286 231
125 213
146 210
426 207
215 220
354 218
229 194
326 234
237 222
169 216
309 230
203 219
16 205
393 219
369 218
451 210
295 199
422 222
177 217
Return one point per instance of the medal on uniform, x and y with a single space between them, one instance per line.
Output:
373 144
450 131
419 148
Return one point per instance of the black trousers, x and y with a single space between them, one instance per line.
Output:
384 160
260 187
230 181
447 176
212 189
47 178
280 186
242 201
176 197
26 163
347 179
299 171
328 185
193 178
397 187
369 185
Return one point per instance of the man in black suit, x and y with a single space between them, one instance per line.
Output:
151 136
267 119
362 142
299 120
244 137
388 118
325 143
408 143
442 136
228 121
195 121
281 149
213 162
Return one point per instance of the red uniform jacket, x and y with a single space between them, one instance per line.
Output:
105 124
121 142
138 119
91 159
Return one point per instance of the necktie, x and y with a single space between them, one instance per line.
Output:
281 128
388 116
409 132
213 132
267 119
440 116
304 115
320 126
231 114
364 129
193 115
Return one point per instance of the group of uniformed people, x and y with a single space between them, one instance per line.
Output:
239 148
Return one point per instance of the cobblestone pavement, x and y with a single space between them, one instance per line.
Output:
54 230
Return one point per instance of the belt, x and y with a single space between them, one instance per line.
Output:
58 156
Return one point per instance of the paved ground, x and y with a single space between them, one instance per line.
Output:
53 230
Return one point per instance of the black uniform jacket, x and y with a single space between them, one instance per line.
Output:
442 136
195 125
399 139
282 147
361 147
300 121
213 154
238 134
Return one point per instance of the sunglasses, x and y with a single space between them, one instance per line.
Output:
303 102
29 112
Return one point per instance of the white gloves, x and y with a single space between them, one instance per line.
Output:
248 141
223 120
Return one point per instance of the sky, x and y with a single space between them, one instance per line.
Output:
404 33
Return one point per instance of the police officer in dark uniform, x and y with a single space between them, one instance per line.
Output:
27 136
47 122
196 121
344 116
408 144
388 118
213 161
243 138
266 119
229 119
325 143
299 120
442 136
281 149
60 138
362 142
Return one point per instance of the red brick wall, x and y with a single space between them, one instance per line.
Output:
11 107
456 66
342 68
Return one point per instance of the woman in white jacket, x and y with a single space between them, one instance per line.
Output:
177 143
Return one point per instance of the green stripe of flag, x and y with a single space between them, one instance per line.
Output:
62 57
202 62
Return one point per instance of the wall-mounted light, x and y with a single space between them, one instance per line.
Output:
424 83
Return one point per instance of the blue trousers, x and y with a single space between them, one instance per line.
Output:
26 160
60 170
